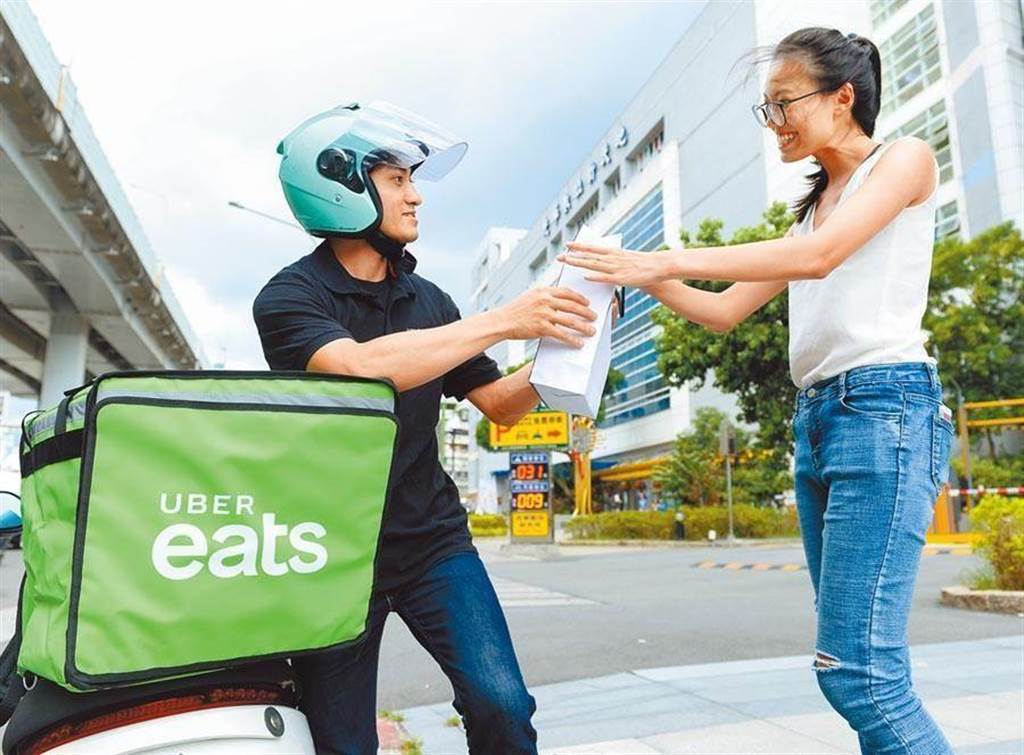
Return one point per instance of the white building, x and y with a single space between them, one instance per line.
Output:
686 148
453 437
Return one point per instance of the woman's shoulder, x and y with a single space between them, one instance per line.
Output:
907 152
909 156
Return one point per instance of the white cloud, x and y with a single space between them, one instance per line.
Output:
224 328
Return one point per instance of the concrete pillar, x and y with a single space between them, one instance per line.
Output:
64 362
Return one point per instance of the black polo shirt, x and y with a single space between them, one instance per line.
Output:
315 301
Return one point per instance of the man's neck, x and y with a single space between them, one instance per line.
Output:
361 260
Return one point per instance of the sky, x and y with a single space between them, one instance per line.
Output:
189 100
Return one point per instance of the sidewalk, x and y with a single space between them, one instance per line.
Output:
771 705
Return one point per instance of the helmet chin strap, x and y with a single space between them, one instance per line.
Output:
392 251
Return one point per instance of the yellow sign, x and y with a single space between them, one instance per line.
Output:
536 429
529 524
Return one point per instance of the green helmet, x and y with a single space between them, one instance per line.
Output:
326 163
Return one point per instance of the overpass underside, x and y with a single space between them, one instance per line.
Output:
81 293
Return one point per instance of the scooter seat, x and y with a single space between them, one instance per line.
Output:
47 705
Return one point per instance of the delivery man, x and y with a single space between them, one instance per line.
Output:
355 306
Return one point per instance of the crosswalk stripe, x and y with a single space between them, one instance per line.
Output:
740 566
512 594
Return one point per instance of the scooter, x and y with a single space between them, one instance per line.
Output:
10 520
249 709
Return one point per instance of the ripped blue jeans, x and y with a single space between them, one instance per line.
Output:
872 451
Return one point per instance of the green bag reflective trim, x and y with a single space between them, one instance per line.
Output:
177 522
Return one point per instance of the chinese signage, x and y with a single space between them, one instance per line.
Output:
530 487
604 159
536 430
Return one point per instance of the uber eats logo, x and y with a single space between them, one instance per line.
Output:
182 550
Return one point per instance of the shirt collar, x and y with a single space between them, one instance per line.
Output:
334 275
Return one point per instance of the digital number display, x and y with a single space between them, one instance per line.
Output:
530 501
529 472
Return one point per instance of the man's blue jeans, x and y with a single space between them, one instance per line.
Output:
453 612
872 449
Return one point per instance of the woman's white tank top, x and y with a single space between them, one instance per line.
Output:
869 309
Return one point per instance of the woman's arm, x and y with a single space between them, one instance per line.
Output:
903 175
720 311
717 311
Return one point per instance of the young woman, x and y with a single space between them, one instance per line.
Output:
872 435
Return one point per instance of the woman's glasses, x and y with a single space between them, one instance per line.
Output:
775 112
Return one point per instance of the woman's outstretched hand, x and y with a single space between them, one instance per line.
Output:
619 266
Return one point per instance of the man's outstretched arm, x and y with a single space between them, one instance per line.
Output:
415 357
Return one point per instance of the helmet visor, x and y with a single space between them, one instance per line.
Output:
406 140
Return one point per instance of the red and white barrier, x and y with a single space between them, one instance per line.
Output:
982 490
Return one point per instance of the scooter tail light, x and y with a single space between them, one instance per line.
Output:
169 706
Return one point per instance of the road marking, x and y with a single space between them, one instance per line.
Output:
739 566
512 594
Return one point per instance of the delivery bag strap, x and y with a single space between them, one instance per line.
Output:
60 422
12 686
52 450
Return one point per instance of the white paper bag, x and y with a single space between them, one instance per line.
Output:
570 379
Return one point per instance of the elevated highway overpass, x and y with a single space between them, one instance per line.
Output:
81 290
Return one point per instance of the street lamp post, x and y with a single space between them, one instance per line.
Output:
282 221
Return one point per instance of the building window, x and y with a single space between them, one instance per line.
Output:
644 390
612 185
648 148
585 215
884 9
538 264
556 247
910 60
933 126
947 221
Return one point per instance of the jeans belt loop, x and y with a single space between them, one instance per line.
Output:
842 385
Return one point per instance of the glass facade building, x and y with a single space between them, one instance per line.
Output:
644 390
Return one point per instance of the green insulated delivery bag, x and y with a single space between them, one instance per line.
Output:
182 521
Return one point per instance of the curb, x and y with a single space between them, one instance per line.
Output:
767 542
391 737
995 601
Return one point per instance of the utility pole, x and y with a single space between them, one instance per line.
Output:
728 448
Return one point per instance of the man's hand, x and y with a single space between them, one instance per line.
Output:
557 313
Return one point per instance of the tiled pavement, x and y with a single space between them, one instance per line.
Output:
772 705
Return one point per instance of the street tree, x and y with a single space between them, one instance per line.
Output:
751 361
975 316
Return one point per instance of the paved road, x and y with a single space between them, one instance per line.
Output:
649 608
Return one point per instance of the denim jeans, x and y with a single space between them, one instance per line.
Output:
872 451
453 612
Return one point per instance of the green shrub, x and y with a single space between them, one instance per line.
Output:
1000 522
622 525
992 473
748 521
487 525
